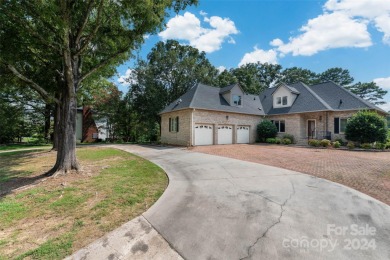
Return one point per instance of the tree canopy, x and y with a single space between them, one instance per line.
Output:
337 75
53 47
369 91
169 71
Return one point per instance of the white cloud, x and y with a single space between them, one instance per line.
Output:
259 55
376 11
128 78
385 107
276 42
328 31
363 8
221 69
188 27
202 13
385 84
382 23
344 23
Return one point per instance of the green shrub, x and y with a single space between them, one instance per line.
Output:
291 137
366 127
278 140
341 141
366 146
336 144
380 146
325 143
314 142
286 141
270 140
351 145
266 129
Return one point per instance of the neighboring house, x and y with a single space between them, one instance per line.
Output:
88 129
208 115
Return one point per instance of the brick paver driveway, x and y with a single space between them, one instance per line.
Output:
368 172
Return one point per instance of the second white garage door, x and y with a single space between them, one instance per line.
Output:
225 134
203 134
243 134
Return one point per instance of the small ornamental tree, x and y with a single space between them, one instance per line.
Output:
366 127
266 129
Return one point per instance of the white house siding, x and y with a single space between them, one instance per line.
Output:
282 92
102 126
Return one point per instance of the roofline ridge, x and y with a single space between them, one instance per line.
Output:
358 98
193 96
317 96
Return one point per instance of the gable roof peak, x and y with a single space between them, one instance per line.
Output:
229 88
289 88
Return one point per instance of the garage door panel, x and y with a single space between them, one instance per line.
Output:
243 134
203 134
225 134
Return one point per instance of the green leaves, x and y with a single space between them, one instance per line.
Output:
366 127
369 91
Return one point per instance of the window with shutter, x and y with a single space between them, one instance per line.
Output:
177 124
336 125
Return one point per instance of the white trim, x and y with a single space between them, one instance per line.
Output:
193 128
346 118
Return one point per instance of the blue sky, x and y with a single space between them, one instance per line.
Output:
317 35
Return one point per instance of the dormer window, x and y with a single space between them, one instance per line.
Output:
237 100
284 101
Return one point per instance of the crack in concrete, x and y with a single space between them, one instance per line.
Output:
249 250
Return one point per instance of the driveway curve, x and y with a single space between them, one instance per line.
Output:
222 208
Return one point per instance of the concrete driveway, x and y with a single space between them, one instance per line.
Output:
222 208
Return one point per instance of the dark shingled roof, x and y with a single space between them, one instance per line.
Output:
340 98
227 89
326 96
210 98
306 101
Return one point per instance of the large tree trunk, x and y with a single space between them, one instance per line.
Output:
66 132
66 137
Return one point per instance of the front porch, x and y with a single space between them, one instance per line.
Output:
315 125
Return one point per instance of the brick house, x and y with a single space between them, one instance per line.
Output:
208 115
88 129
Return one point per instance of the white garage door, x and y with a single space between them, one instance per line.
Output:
225 134
203 134
243 134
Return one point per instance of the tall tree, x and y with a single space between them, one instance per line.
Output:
337 75
225 78
170 71
247 78
295 75
66 42
255 77
369 91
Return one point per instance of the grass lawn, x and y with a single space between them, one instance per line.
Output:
23 146
57 216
